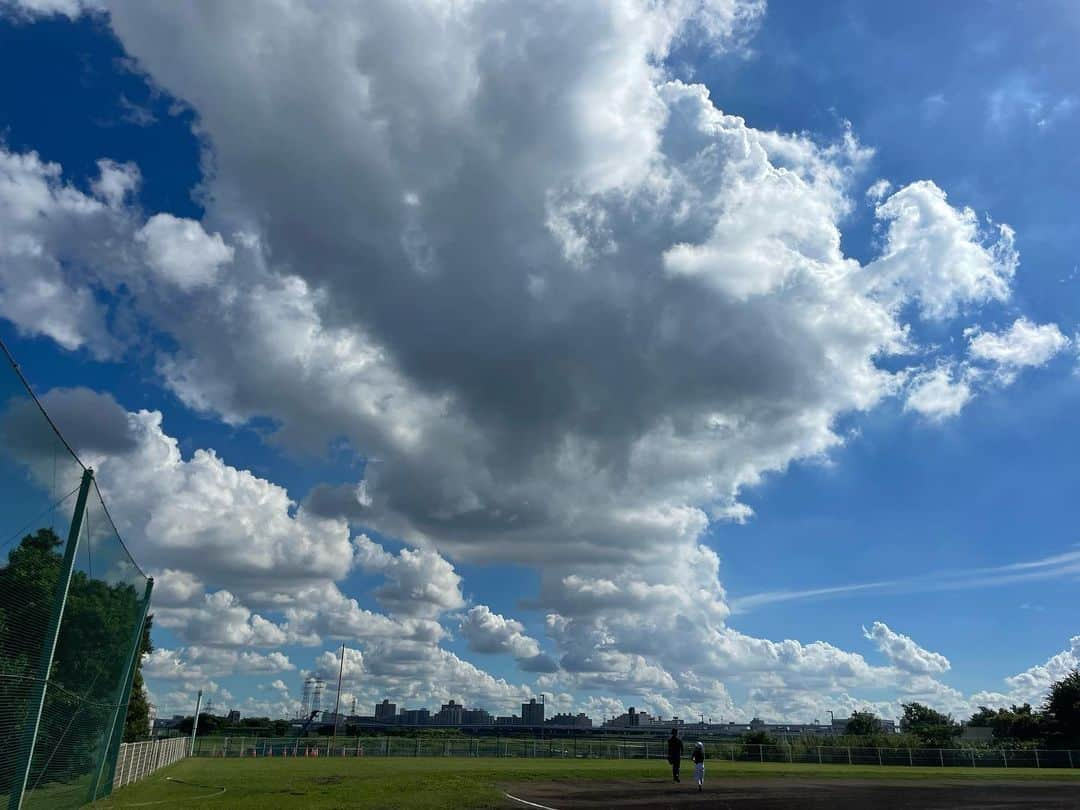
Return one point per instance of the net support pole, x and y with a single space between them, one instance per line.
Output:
195 723
123 698
48 647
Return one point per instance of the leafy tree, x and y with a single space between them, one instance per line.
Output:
137 722
934 729
1062 707
1015 723
757 738
863 724
88 665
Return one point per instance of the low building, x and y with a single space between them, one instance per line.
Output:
512 720
414 717
233 717
976 734
579 720
476 717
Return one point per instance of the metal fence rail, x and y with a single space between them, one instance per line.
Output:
600 748
138 760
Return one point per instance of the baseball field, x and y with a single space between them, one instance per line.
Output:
443 784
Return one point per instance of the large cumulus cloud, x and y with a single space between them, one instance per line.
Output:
572 306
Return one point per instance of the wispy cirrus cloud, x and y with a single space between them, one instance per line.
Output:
1057 566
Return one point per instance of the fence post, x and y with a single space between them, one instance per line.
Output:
116 727
849 755
879 756
910 762
48 647
1070 759
761 752
972 757
819 755
790 758
941 757
1037 765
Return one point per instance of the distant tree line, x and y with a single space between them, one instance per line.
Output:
1056 724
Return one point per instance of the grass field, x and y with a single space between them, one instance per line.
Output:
436 783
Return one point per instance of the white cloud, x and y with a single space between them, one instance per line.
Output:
221 619
116 181
1033 684
573 307
194 663
939 393
1024 344
938 255
879 190
419 583
905 653
42 222
488 632
182 252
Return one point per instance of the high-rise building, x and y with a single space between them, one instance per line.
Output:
449 714
234 717
532 713
385 712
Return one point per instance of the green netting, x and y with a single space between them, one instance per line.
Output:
78 598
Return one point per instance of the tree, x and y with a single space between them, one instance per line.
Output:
757 738
137 722
862 724
1062 707
88 664
1015 723
934 729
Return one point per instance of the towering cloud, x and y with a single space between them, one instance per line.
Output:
572 307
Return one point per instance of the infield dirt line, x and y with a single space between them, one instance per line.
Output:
530 804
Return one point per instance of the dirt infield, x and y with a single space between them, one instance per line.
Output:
783 794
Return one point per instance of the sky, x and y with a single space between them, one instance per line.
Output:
710 357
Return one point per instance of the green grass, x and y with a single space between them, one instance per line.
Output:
435 783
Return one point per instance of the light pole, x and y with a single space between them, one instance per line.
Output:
337 700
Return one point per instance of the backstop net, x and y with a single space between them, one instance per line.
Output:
72 607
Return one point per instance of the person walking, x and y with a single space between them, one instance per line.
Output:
698 758
674 753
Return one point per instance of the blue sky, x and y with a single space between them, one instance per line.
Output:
556 320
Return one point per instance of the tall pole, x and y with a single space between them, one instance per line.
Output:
337 700
195 723
48 649
116 727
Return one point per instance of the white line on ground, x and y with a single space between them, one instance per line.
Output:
188 799
530 804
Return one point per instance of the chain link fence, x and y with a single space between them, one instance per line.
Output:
72 607
593 747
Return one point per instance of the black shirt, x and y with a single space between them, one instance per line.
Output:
674 748
698 755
